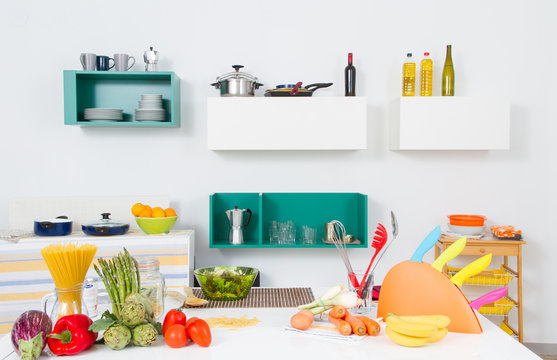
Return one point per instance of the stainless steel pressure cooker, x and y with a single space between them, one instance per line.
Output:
237 83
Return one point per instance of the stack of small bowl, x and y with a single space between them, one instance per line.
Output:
472 225
150 108
102 114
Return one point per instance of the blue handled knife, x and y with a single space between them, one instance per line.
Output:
426 244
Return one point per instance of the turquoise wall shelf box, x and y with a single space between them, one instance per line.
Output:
310 209
119 90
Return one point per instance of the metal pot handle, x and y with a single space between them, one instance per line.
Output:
102 229
46 225
216 85
257 85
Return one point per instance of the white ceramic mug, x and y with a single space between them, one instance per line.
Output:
121 62
88 61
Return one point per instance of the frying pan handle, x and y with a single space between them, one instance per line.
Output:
295 89
313 87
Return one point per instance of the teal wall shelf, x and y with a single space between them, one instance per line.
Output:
310 209
119 90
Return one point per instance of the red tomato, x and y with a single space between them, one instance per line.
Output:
190 320
199 331
176 336
173 317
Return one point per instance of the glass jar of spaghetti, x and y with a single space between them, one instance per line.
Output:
152 283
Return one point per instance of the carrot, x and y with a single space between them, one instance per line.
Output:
372 326
358 327
338 311
342 326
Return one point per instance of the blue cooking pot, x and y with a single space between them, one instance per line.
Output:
60 226
105 227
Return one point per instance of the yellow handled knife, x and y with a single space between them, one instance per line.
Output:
450 253
471 269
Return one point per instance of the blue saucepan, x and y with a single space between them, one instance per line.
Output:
59 226
105 227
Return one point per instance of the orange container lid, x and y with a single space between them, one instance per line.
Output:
467 220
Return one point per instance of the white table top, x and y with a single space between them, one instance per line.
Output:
269 340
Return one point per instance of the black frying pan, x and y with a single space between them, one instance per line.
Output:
297 90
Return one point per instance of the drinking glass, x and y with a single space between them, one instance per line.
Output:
273 233
291 234
286 233
309 235
367 294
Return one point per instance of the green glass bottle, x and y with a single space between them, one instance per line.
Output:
447 85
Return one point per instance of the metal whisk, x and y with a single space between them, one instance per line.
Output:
338 238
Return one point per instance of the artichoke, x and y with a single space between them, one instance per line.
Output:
144 335
133 314
138 298
117 336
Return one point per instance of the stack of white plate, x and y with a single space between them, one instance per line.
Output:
150 108
102 114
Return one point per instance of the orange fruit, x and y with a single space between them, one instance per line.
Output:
137 208
158 212
146 212
170 212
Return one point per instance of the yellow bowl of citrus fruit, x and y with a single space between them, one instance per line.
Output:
154 220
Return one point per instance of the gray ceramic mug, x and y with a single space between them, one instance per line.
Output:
121 62
88 61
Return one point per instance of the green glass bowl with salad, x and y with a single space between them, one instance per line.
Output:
225 283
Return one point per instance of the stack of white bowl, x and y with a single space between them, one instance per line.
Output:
102 114
150 108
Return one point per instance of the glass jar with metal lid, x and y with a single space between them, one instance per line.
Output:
237 83
152 283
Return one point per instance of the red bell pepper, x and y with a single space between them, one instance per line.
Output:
71 335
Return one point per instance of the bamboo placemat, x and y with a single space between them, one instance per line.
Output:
264 298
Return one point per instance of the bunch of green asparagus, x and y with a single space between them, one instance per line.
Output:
120 276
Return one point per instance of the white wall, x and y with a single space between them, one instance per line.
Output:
504 48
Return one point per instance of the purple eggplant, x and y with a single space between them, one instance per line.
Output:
29 334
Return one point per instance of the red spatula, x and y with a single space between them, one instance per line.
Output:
379 240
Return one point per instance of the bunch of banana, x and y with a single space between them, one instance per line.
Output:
414 331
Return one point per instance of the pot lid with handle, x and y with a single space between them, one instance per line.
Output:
237 75
58 219
49 223
107 221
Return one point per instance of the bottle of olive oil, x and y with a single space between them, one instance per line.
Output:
409 76
426 76
447 85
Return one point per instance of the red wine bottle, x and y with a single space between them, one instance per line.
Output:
350 78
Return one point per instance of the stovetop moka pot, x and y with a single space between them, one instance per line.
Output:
236 218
